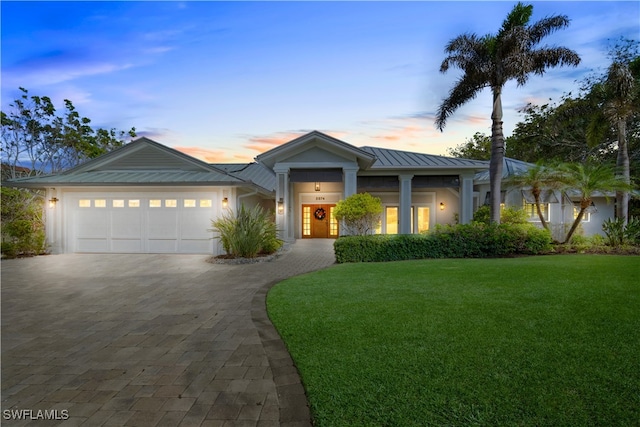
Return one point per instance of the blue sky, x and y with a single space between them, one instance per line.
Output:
224 81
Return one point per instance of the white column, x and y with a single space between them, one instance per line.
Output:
466 198
405 204
282 196
350 181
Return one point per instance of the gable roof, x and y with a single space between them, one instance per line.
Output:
140 162
397 159
257 173
271 157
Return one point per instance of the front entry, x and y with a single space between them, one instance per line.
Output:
318 222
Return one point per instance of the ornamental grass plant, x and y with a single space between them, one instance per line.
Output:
247 232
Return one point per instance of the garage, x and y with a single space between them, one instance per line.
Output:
141 222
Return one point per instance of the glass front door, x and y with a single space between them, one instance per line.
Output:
318 222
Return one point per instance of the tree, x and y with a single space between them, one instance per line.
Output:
493 60
33 135
539 178
478 147
360 213
589 179
618 93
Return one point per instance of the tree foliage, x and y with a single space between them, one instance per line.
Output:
360 212
34 135
493 60
22 226
478 147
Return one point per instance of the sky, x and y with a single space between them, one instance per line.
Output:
226 81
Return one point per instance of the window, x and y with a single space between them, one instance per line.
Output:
205 203
155 203
189 203
333 223
84 203
100 203
391 219
134 203
306 221
532 212
586 216
119 203
423 218
170 203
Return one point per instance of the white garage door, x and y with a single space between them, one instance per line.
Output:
142 222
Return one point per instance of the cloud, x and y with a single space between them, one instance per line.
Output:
204 154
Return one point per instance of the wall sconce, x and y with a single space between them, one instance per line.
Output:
280 206
317 186
441 206
52 202
225 203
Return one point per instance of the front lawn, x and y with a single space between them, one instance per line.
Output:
536 341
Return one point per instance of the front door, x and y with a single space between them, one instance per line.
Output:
318 222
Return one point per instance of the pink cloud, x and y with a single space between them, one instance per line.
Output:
204 154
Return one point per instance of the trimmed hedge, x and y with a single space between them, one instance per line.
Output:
473 240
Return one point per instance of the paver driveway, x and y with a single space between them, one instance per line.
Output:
147 340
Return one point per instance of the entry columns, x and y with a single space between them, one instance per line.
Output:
284 210
404 214
350 181
466 199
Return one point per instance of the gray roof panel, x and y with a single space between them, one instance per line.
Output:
397 159
257 173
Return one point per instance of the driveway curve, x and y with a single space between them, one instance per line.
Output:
149 340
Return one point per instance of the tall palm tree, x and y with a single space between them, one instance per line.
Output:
589 179
491 61
539 178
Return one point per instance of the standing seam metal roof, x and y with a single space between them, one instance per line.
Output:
387 158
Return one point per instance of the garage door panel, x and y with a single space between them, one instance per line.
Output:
195 223
92 223
162 224
126 225
92 245
126 246
195 246
162 246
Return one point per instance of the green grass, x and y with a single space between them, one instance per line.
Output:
537 341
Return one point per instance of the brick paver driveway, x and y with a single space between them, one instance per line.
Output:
147 340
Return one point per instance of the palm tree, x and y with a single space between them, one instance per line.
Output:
493 60
589 179
539 178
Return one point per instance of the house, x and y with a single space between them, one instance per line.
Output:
148 198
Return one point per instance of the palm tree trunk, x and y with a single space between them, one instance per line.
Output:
622 197
575 225
536 196
497 156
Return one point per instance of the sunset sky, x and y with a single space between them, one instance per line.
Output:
225 81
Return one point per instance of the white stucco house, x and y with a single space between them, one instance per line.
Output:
149 198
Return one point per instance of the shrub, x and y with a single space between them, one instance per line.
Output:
22 223
508 215
247 232
632 231
618 233
360 213
474 240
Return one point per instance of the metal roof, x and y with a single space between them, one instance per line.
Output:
510 167
397 159
122 177
257 173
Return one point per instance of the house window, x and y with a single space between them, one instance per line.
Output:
205 203
170 203
155 203
306 221
423 218
333 222
391 219
189 203
119 203
100 203
532 212
586 216
134 203
84 203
